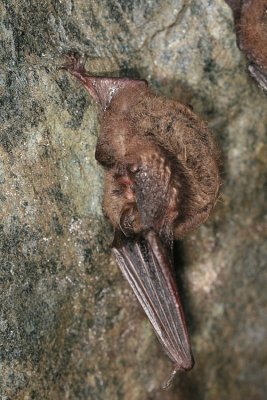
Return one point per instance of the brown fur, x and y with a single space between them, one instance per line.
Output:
151 124
162 161
251 29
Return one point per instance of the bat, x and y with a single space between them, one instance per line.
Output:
251 30
162 180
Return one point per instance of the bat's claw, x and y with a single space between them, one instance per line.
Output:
74 64
167 384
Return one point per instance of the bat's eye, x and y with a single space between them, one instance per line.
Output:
133 168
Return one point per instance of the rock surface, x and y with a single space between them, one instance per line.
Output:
70 328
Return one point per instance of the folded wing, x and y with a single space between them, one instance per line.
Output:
147 266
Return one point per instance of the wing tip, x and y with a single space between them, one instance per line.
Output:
187 366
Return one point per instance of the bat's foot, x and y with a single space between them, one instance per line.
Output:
74 65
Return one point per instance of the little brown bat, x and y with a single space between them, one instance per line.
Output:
251 30
162 181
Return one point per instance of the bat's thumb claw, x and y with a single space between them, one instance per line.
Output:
166 385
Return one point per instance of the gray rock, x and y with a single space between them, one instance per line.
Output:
70 327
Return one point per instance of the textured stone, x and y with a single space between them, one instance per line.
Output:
70 328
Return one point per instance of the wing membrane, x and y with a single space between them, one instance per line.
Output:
147 266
